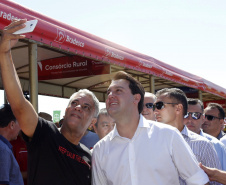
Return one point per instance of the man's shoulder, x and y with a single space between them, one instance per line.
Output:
45 126
92 135
197 137
161 127
4 147
105 141
212 139
223 138
200 140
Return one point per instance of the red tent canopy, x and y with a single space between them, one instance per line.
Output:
62 36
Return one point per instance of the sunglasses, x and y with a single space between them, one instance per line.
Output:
194 115
210 117
149 105
160 105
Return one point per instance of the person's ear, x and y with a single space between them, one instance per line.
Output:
11 124
95 128
137 98
179 108
222 122
94 120
65 111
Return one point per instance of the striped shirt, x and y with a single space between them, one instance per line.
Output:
203 150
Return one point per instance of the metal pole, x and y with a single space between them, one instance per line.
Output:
152 84
33 75
200 95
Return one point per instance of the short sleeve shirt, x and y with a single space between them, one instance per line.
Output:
52 159
9 168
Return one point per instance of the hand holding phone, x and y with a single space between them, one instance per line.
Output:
30 26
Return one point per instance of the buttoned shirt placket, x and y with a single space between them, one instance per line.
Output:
132 158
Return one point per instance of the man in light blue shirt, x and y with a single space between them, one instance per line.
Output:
89 139
194 122
223 140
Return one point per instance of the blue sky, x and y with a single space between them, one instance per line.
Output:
189 34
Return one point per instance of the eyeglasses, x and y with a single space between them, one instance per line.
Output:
149 105
194 115
210 117
160 105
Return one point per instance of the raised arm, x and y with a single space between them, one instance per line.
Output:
22 109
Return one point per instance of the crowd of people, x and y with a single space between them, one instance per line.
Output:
139 138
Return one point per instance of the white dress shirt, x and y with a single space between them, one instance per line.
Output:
157 154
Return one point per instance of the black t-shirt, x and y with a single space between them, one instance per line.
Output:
53 160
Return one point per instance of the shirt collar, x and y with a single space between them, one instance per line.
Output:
4 140
221 134
201 132
142 123
185 131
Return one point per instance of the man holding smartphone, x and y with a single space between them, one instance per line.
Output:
55 156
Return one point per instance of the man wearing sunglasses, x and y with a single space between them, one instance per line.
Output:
149 100
170 108
139 151
214 120
194 120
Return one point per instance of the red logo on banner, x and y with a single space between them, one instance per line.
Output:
61 36
73 66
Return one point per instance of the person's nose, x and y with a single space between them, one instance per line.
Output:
110 96
189 119
156 112
78 107
144 108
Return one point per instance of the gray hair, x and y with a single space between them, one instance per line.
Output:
151 95
102 112
92 95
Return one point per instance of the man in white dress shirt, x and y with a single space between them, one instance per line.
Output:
170 108
138 151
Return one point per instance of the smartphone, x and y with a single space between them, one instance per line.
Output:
30 26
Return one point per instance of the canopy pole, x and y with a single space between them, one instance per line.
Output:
104 97
62 91
152 84
33 75
200 95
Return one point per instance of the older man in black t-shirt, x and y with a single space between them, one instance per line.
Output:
54 156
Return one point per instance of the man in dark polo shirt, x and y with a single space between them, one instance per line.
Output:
55 156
